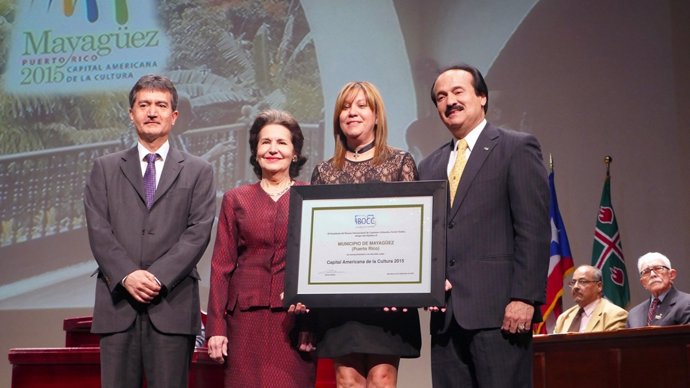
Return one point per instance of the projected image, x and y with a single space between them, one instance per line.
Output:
67 67
228 61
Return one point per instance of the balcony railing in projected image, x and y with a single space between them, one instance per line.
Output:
41 192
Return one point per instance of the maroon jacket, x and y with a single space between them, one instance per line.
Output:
248 264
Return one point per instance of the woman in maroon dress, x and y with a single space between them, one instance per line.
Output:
247 327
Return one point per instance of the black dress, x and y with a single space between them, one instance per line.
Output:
344 331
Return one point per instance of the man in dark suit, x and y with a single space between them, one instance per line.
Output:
149 212
497 247
672 307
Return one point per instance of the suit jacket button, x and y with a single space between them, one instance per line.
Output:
451 225
452 262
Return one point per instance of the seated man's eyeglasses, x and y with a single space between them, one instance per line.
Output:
583 282
657 270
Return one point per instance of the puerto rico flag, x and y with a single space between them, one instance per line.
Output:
560 266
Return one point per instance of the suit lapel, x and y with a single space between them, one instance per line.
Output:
596 316
131 168
665 306
645 311
171 169
440 172
570 318
482 148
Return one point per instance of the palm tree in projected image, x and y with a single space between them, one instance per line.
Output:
263 50
259 81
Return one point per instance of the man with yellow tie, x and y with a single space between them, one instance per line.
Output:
497 241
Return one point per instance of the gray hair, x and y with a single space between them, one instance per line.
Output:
652 256
597 274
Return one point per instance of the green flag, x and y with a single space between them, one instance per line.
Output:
607 252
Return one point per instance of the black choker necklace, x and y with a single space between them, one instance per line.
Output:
356 153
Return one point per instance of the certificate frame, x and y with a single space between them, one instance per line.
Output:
326 220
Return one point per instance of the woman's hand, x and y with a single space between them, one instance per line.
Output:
306 341
218 348
297 309
394 309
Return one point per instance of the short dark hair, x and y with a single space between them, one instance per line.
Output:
480 88
275 116
154 82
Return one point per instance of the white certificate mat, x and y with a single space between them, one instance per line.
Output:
375 245
366 245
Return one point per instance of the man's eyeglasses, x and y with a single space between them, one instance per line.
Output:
657 270
583 282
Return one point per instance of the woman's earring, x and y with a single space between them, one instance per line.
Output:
294 159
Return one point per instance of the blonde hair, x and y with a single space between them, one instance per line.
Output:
375 102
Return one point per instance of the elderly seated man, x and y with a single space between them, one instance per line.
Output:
591 312
666 305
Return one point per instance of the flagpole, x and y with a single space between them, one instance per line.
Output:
607 161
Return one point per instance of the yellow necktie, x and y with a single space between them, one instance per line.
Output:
456 172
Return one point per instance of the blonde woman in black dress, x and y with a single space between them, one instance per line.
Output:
366 344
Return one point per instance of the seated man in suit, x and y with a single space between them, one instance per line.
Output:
591 312
666 306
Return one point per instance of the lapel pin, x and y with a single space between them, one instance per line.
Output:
486 148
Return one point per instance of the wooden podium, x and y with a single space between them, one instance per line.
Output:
78 363
651 357
648 357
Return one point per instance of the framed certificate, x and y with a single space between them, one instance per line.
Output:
367 245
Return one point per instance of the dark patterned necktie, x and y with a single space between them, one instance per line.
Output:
150 178
575 326
652 311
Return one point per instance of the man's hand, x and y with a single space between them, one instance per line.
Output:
448 287
142 285
218 348
518 317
